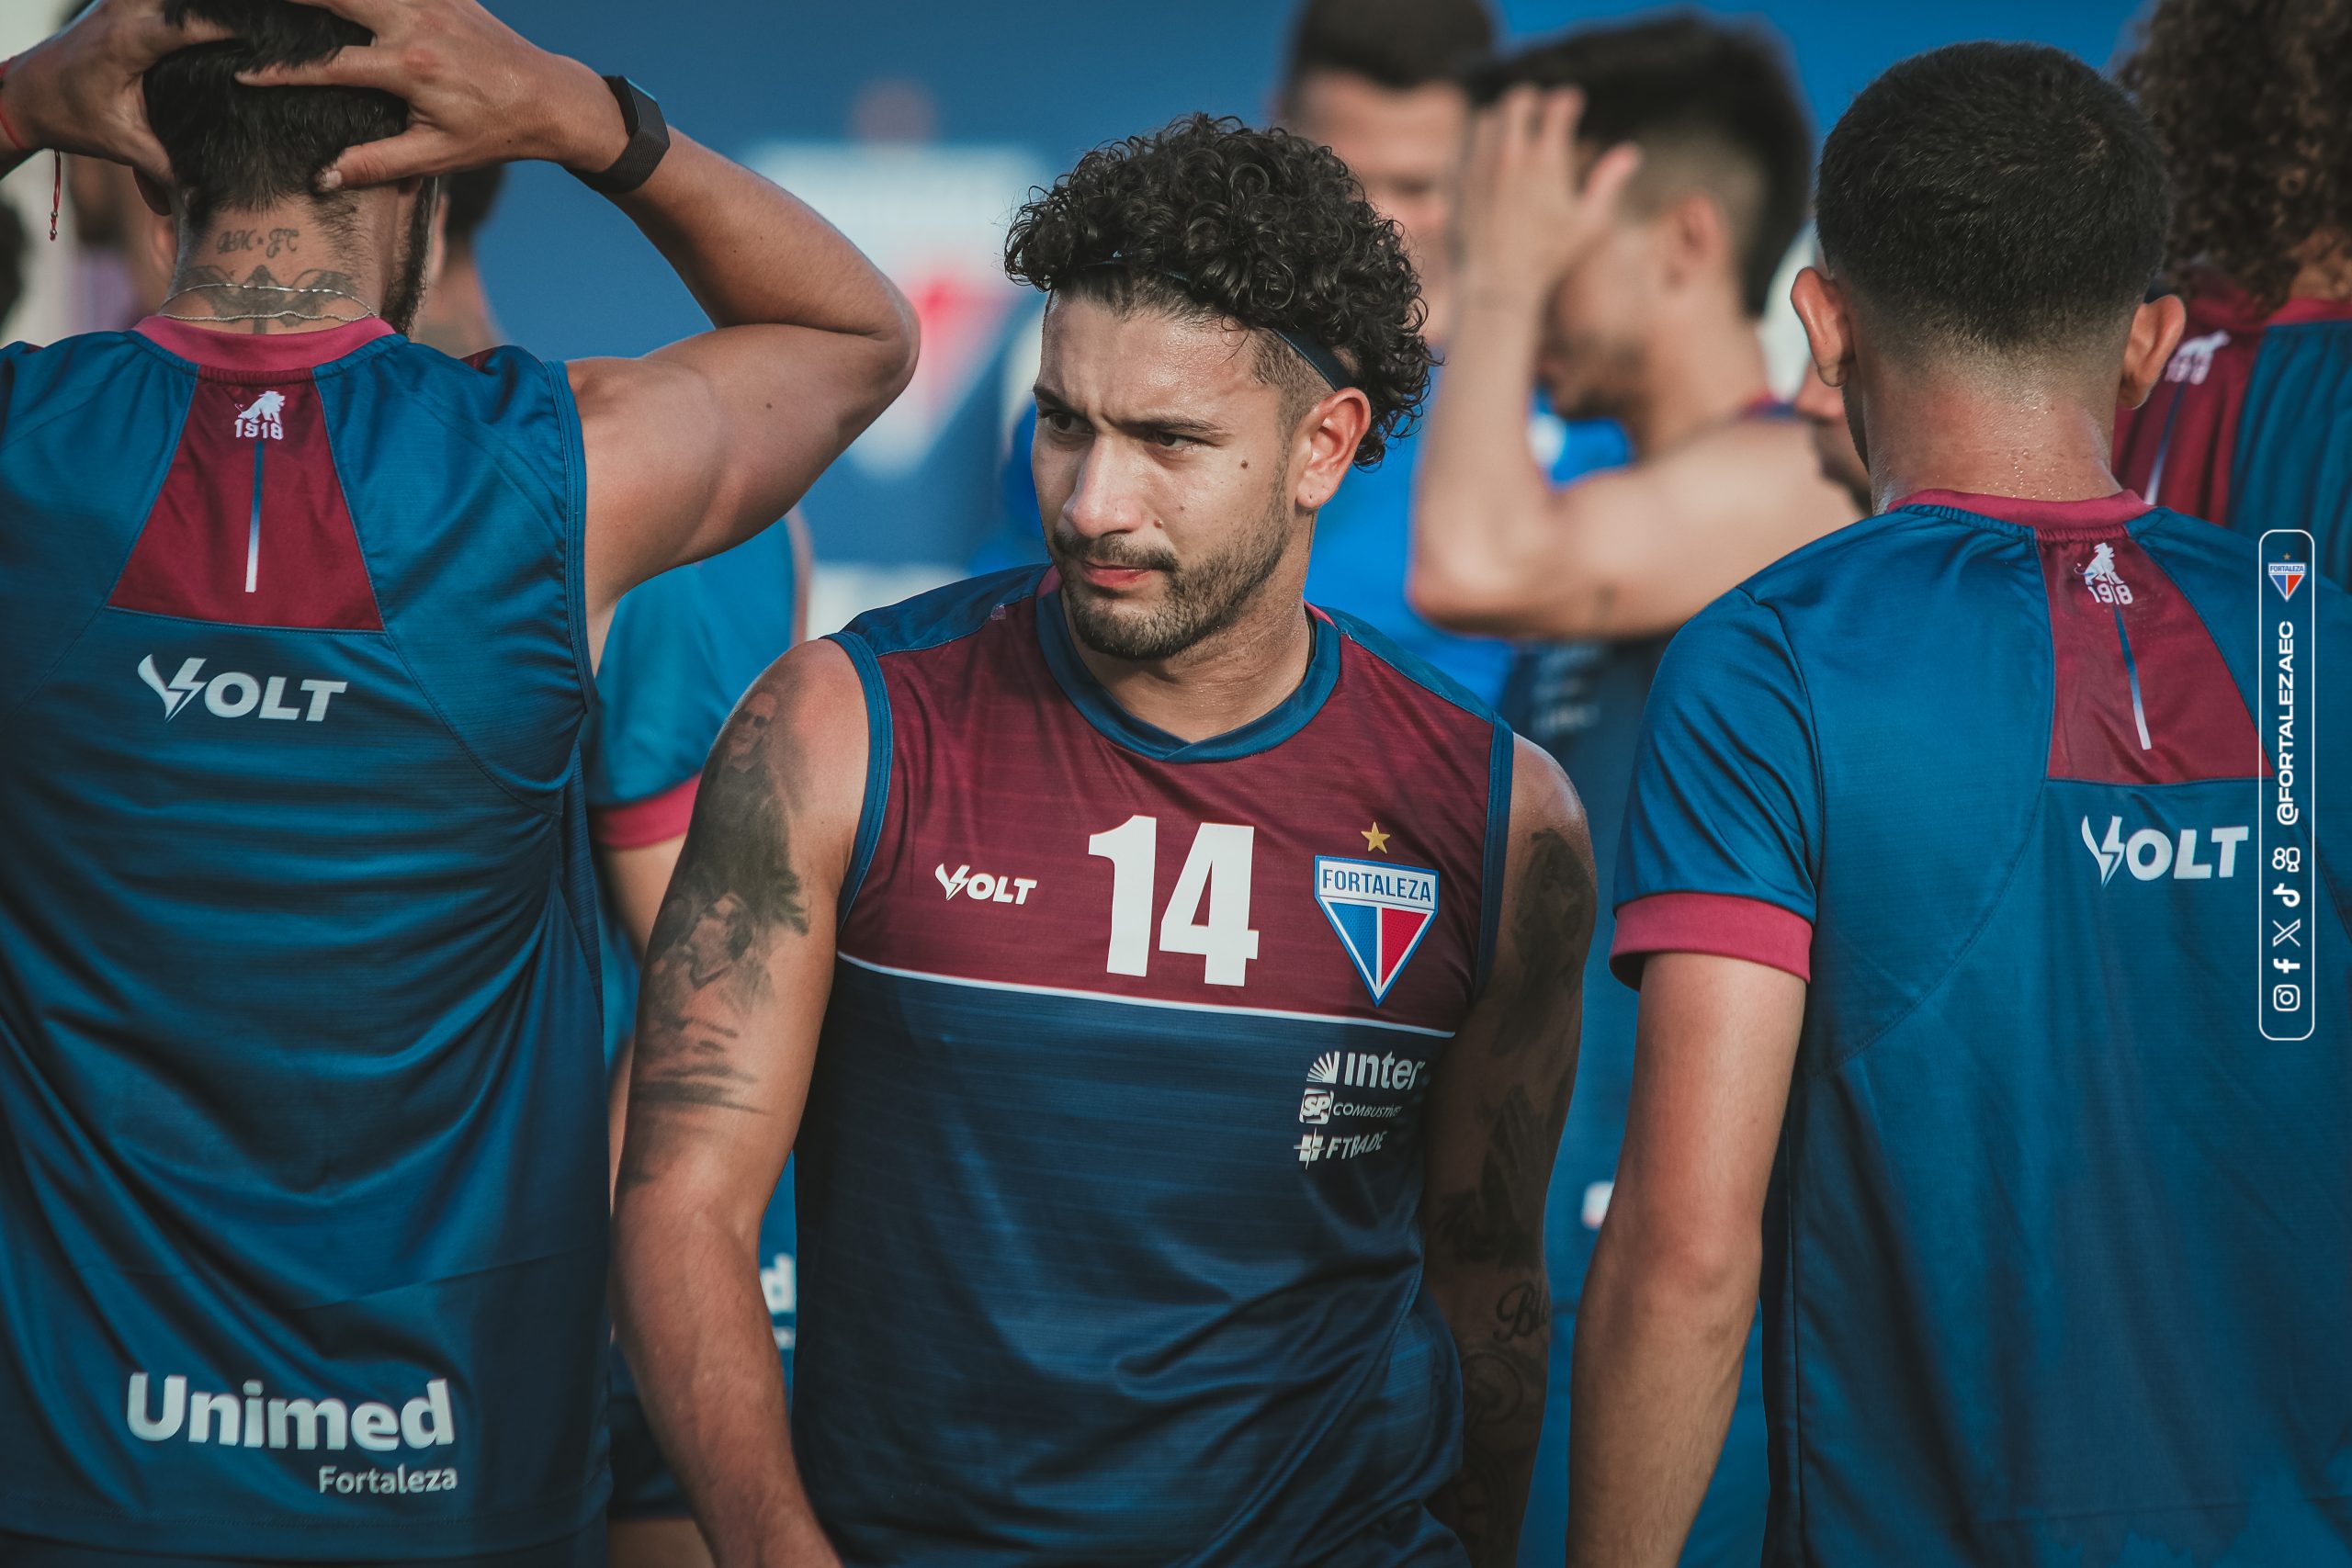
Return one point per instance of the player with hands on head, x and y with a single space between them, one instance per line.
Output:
1166 992
1630 194
1945 890
303 1125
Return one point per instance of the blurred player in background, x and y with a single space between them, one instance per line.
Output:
1942 887
457 317
300 1164
1189 985
2251 427
1380 83
1630 198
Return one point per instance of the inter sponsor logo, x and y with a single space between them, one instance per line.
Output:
251 1418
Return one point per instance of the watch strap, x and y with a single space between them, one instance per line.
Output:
649 141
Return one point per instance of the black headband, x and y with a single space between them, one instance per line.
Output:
1324 363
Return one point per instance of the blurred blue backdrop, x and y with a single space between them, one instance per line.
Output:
916 124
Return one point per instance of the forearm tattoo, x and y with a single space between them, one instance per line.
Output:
1495 1227
733 897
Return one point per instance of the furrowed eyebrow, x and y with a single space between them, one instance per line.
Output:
1144 423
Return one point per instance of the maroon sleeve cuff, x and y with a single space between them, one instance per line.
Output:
1718 923
656 819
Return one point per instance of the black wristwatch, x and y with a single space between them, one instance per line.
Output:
649 141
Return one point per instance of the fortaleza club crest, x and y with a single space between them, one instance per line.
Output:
1381 913
2287 576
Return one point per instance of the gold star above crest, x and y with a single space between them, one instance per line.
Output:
1374 838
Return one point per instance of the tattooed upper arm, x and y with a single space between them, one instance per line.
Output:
1498 1106
736 974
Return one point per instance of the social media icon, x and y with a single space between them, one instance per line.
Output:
2287 998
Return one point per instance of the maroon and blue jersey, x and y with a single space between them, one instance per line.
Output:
2251 426
301 1121
1110 1175
2058 1241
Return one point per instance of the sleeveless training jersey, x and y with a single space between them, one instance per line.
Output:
2059 1245
2252 425
1111 1170
301 1148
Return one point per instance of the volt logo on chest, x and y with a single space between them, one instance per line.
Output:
232 694
983 885
2153 853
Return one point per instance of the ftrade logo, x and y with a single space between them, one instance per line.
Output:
2153 853
264 419
235 694
982 885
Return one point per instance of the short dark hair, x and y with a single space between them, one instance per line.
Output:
1398 44
240 147
1261 227
470 198
2252 103
1994 196
1707 102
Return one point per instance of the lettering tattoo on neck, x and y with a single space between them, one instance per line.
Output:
733 899
271 242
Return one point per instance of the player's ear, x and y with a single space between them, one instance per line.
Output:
2156 327
1828 324
1332 431
154 193
1693 238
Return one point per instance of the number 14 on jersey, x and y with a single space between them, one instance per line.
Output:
1216 873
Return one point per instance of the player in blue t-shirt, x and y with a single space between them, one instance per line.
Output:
301 1116
1993 985
1644 309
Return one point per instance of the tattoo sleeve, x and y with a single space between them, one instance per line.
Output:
734 897
1484 1229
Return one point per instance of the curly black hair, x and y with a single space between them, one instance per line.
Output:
1258 227
2252 102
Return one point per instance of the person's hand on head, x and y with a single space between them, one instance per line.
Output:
81 90
478 93
1528 214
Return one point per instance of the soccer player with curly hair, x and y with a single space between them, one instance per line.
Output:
1168 989
2252 103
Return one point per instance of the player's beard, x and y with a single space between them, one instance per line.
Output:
404 294
1196 601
